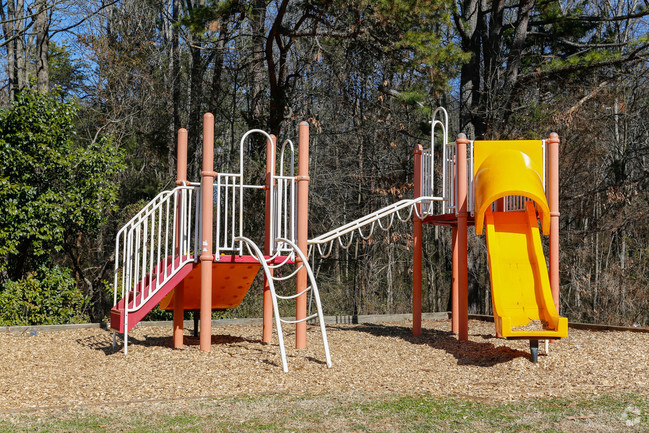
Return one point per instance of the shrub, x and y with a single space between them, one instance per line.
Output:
48 296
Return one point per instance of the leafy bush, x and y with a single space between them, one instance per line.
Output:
48 296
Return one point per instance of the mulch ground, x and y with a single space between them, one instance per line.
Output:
80 367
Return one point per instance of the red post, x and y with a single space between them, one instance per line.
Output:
267 327
206 257
302 229
462 215
179 291
417 273
553 151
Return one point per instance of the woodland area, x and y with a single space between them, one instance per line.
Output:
92 93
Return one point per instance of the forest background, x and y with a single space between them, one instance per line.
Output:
93 92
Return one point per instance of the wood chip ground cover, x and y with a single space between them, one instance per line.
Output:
79 367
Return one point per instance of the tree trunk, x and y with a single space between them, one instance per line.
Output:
256 76
467 23
195 115
8 28
42 27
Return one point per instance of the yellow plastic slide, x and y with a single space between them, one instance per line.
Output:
520 284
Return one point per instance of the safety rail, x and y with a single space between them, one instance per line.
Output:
228 207
410 205
276 276
450 179
229 191
284 201
154 245
439 123
511 203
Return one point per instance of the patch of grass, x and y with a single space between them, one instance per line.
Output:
342 413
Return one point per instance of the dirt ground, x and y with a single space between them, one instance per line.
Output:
79 367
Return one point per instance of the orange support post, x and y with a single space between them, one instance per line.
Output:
207 257
462 215
455 294
302 229
179 291
553 199
267 327
417 274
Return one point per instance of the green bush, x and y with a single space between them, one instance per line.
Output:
48 296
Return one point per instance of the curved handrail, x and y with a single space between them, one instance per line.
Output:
254 251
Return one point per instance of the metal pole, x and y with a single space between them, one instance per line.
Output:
267 327
417 274
179 291
207 191
302 230
462 215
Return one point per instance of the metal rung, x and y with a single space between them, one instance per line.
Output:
293 296
289 275
301 320
313 287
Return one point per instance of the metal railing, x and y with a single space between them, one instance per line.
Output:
281 274
229 192
155 244
284 202
324 243
450 178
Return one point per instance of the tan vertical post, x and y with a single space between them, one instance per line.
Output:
463 292
417 273
179 291
267 327
302 229
207 192
553 151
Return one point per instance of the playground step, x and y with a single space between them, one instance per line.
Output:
158 293
232 277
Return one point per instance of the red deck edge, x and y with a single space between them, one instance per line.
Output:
449 220
248 259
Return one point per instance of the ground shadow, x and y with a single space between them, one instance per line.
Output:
481 354
188 340
104 343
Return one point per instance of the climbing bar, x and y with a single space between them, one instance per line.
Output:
313 316
370 219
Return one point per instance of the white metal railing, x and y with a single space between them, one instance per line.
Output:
450 178
284 202
450 181
228 199
154 245
229 191
278 275
324 243
439 123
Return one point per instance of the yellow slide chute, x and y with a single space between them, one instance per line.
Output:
520 285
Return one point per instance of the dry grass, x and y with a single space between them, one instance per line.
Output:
79 367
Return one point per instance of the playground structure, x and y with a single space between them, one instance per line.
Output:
187 250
